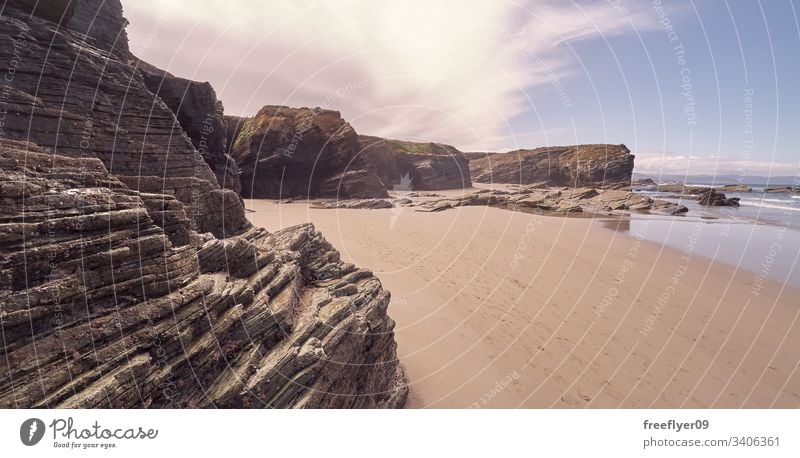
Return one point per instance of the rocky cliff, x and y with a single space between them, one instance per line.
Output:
128 277
201 116
301 152
473 155
602 166
416 166
75 93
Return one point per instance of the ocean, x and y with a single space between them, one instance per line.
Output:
757 206
761 236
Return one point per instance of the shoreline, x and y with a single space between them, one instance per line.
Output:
497 308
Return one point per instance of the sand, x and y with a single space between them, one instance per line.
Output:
506 309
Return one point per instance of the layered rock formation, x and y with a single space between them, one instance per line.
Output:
473 155
129 278
783 189
559 201
552 201
601 166
736 188
74 91
201 116
301 152
100 309
681 189
406 166
52 10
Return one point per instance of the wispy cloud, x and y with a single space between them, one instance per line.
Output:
450 71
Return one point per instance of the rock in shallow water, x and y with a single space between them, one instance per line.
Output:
713 198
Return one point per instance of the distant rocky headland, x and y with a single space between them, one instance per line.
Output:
603 166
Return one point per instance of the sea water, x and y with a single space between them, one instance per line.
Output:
761 236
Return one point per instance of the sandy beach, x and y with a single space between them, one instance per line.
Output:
496 308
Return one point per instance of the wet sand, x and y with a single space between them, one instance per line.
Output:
507 309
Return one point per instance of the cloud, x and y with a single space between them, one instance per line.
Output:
654 163
448 70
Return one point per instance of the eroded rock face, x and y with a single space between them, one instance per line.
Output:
128 278
302 152
600 166
474 155
78 95
57 11
233 125
105 311
201 115
406 166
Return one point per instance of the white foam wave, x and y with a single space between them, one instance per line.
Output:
759 203
778 201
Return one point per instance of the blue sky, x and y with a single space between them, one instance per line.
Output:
502 75
630 88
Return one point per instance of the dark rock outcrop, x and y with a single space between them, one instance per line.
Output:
644 184
373 204
100 22
58 11
201 116
735 188
601 166
104 311
783 189
233 125
407 166
472 155
73 91
302 152
679 188
128 278
358 183
689 190
712 198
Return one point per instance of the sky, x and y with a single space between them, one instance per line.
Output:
698 87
